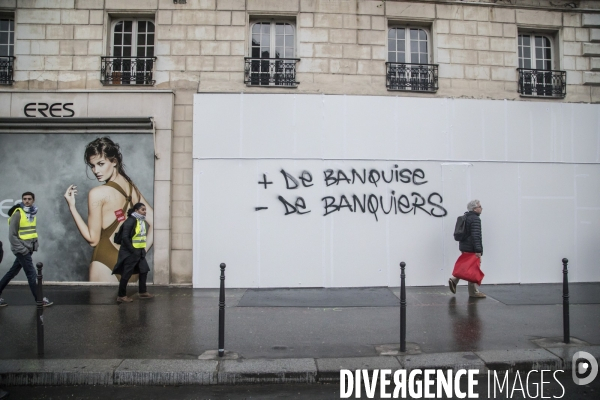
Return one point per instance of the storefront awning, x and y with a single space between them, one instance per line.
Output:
77 125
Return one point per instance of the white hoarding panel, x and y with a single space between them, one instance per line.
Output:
335 191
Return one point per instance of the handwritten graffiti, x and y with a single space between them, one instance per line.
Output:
411 202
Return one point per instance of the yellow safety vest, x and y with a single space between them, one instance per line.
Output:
27 230
138 241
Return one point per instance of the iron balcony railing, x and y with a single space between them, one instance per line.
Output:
539 82
280 72
412 77
127 70
7 67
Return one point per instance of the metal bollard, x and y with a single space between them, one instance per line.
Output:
566 330
402 308
40 310
222 313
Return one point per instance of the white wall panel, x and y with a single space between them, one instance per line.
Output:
516 157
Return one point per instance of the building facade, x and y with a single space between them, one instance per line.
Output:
494 99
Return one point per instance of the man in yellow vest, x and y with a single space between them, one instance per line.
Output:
22 233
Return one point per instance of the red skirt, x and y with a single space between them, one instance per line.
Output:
468 267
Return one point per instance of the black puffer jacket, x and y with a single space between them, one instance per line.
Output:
473 243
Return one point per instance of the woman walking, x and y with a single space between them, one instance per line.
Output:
132 254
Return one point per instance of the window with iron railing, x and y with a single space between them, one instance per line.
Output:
7 49
132 48
272 59
408 66
536 76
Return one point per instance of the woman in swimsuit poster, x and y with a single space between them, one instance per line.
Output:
107 206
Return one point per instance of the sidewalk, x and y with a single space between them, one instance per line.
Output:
288 335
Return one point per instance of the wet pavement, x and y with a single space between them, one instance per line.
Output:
182 323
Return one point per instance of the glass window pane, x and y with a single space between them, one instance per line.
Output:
3 24
255 40
119 26
4 38
414 58
391 56
126 51
401 57
423 48
539 64
392 33
423 59
11 24
538 53
527 63
150 27
279 29
128 27
414 34
255 52
527 52
422 34
149 51
266 28
289 52
392 45
279 40
127 39
3 51
142 26
526 40
289 30
141 39
150 40
256 28
538 41
546 41
117 52
118 39
414 46
264 54
289 41
548 54
401 33
265 40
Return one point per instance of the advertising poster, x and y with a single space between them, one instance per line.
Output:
76 240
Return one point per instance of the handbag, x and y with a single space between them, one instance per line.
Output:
468 267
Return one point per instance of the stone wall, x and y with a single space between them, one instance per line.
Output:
200 46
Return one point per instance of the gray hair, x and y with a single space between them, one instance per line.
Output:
472 205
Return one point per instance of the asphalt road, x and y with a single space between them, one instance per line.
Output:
552 389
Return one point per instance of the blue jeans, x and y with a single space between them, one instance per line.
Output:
25 262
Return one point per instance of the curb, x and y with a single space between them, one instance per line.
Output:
149 372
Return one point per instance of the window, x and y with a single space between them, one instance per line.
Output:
540 57
132 53
7 48
536 77
272 52
408 46
408 65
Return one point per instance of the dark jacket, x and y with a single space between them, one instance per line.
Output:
473 243
129 256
